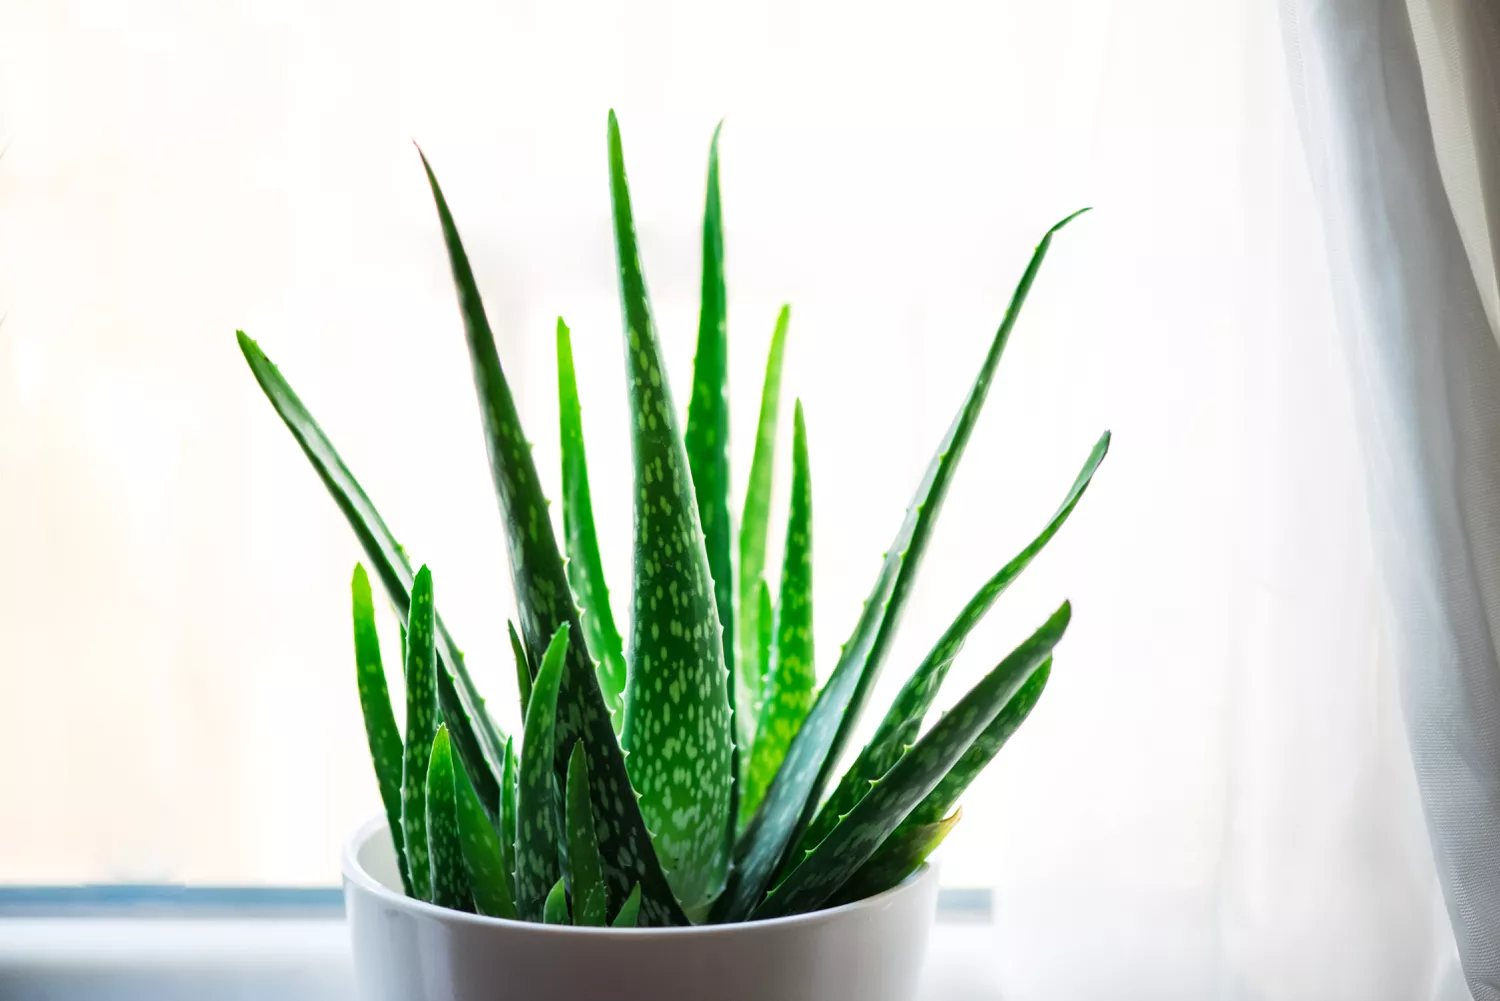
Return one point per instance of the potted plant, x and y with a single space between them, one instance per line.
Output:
664 827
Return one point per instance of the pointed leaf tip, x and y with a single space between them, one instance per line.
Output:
537 842
706 439
754 520
555 910
590 900
541 587
794 795
1068 218
789 681
485 858
630 910
523 668
448 878
903 721
477 740
421 730
381 732
677 689
508 814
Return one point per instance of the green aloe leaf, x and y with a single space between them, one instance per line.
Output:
765 626
856 837
523 667
555 910
508 809
590 900
980 753
485 858
903 721
592 910
896 858
755 516
793 798
789 692
449 879
545 601
380 722
480 743
922 830
707 442
585 568
421 727
677 718
536 835
707 434
630 910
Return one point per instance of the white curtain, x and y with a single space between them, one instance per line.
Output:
1426 370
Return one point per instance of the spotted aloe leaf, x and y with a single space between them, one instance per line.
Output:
630 910
755 516
449 879
555 909
896 858
479 742
857 835
508 808
523 667
903 721
706 440
677 707
585 568
380 722
421 727
789 693
485 859
793 798
546 603
590 901
536 834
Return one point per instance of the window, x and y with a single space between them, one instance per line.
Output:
179 702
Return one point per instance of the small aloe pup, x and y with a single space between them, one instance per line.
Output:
678 770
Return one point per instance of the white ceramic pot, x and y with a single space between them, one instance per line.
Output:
406 950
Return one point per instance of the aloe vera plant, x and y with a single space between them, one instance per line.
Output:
677 770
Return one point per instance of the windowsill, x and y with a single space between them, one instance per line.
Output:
131 944
174 959
175 944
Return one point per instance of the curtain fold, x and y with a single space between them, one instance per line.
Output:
1426 373
1476 34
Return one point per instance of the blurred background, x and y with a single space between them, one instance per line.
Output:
1216 773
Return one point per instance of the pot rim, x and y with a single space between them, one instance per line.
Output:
355 873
